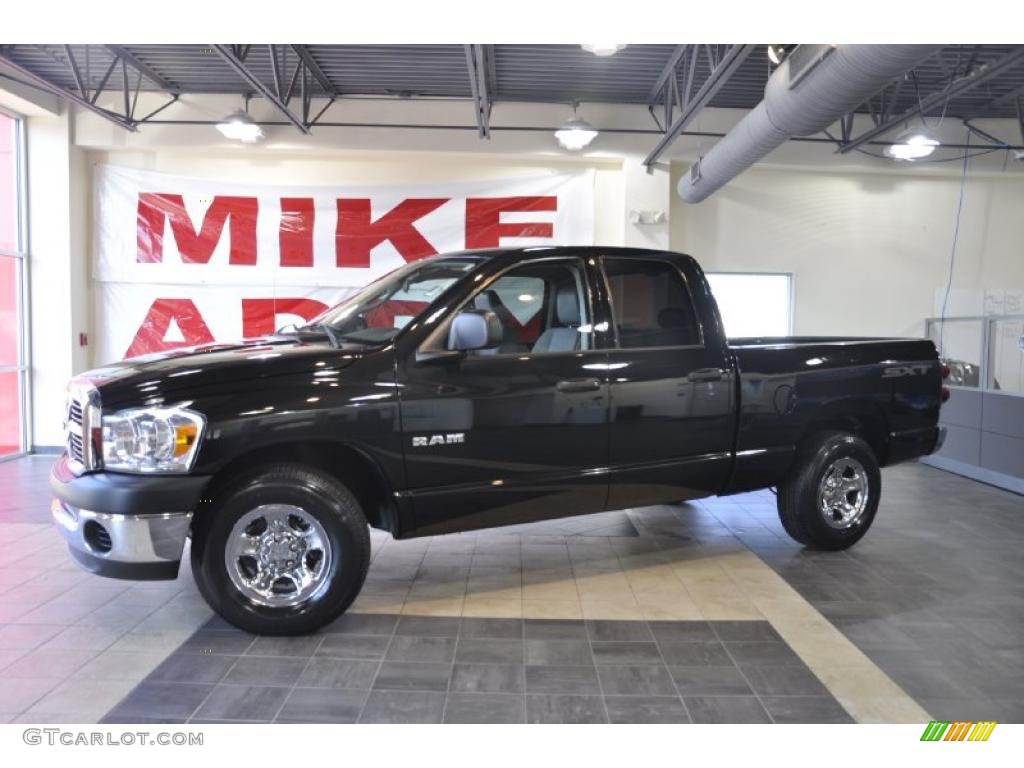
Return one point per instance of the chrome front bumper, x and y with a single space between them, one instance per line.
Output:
139 547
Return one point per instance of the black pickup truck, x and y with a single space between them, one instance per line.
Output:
465 391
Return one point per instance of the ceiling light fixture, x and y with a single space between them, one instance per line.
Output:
576 134
602 49
778 53
240 127
912 146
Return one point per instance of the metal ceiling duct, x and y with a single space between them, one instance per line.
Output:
815 86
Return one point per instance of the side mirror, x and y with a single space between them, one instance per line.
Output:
470 330
474 329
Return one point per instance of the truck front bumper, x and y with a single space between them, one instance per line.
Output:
124 526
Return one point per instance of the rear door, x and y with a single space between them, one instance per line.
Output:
519 432
671 384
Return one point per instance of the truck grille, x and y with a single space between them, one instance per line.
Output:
82 420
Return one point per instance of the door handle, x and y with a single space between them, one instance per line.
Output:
706 374
578 385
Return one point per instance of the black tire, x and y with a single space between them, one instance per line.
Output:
320 496
799 496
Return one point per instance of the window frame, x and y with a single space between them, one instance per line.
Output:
791 279
20 254
611 303
435 340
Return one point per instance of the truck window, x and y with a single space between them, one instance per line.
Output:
542 309
651 304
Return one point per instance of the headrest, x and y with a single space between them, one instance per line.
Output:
567 305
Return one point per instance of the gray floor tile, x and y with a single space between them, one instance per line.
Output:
555 629
745 631
541 708
193 668
805 709
709 681
762 653
489 650
697 654
645 709
562 679
403 707
322 705
625 653
363 624
412 676
265 670
323 672
284 646
559 652
638 680
504 629
784 681
428 626
485 708
344 646
414 648
153 699
243 702
208 641
725 709
487 678
681 631
622 631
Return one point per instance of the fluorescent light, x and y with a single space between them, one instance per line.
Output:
576 134
913 146
602 49
240 127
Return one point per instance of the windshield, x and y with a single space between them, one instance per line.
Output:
376 313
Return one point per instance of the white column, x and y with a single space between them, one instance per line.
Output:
647 193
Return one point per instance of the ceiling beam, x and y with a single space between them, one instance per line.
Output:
727 66
956 88
244 72
315 71
666 72
478 81
71 96
148 72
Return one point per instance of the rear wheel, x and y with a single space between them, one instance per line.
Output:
831 497
284 551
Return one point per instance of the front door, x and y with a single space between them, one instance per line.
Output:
518 432
671 418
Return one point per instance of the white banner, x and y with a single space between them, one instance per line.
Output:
182 261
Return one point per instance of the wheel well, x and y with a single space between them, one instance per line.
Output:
868 425
356 470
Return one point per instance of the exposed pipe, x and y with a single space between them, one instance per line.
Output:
796 105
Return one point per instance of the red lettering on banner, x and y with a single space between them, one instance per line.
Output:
152 333
196 247
259 316
484 228
356 234
296 231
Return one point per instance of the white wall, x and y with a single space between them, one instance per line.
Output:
868 250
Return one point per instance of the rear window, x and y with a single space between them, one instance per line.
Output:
651 304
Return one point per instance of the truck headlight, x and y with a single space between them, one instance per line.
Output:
151 439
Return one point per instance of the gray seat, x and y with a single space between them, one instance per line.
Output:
567 311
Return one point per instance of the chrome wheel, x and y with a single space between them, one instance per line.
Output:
278 555
843 493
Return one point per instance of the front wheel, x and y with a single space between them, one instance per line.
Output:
831 497
283 551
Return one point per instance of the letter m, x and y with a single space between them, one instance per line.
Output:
934 731
196 246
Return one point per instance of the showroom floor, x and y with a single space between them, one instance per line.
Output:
702 612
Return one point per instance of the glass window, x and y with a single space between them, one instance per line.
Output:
1006 355
13 368
542 308
753 304
651 304
959 342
